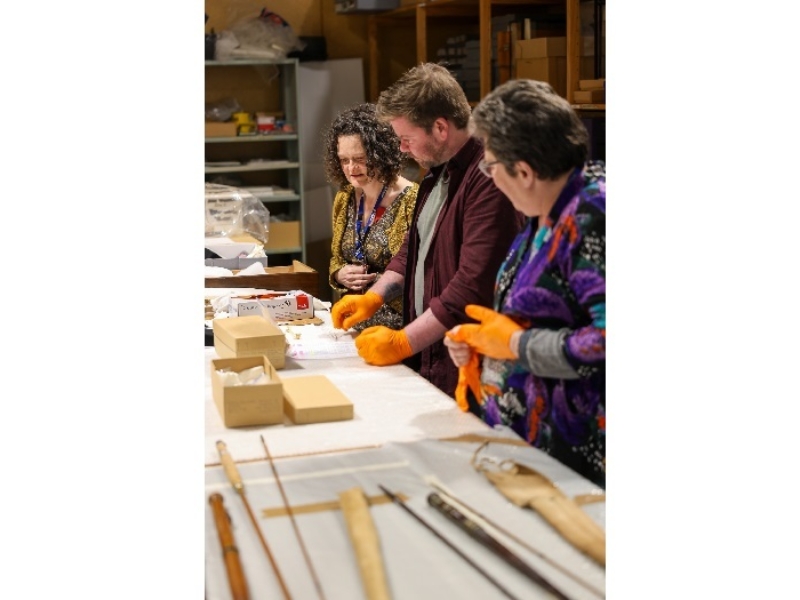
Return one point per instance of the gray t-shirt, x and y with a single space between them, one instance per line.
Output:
425 224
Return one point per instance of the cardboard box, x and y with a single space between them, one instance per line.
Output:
553 70
283 278
283 234
280 307
589 96
544 47
249 336
217 129
245 405
314 399
592 84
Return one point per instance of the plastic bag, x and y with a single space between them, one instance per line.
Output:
267 36
222 110
233 211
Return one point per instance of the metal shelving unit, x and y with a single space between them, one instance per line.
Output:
259 167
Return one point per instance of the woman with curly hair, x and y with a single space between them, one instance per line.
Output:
373 208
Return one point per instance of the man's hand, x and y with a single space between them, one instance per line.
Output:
492 336
352 309
383 346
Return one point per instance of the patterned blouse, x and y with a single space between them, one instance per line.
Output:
553 279
382 241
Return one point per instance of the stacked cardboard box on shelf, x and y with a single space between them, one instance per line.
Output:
220 129
545 59
591 91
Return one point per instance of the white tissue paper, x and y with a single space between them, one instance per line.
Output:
218 272
254 269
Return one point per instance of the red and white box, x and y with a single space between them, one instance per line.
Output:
281 306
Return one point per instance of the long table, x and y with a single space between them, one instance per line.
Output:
405 431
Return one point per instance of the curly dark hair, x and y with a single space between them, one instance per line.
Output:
381 145
527 120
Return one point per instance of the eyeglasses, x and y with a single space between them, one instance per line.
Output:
485 167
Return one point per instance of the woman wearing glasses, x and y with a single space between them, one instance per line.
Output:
373 208
543 340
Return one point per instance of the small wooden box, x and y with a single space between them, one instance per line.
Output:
314 399
237 337
246 405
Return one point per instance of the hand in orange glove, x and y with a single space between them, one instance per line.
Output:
492 336
352 309
382 346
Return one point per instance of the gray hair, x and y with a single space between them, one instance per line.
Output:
526 120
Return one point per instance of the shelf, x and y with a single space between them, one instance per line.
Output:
482 11
272 137
273 172
277 196
249 61
589 107
270 166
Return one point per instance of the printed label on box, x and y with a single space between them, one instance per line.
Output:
289 307
248 307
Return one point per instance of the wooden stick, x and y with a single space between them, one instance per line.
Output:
236 481
294 523
449 544
230 552
479 518
479 534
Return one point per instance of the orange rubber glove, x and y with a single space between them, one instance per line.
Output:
492 336
352 309
382 346
469 377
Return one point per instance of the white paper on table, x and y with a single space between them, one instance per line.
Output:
319 342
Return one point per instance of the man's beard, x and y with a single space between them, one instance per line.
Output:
434 155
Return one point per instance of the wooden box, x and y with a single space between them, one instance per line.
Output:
282 278
315 399
237 337
246 405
